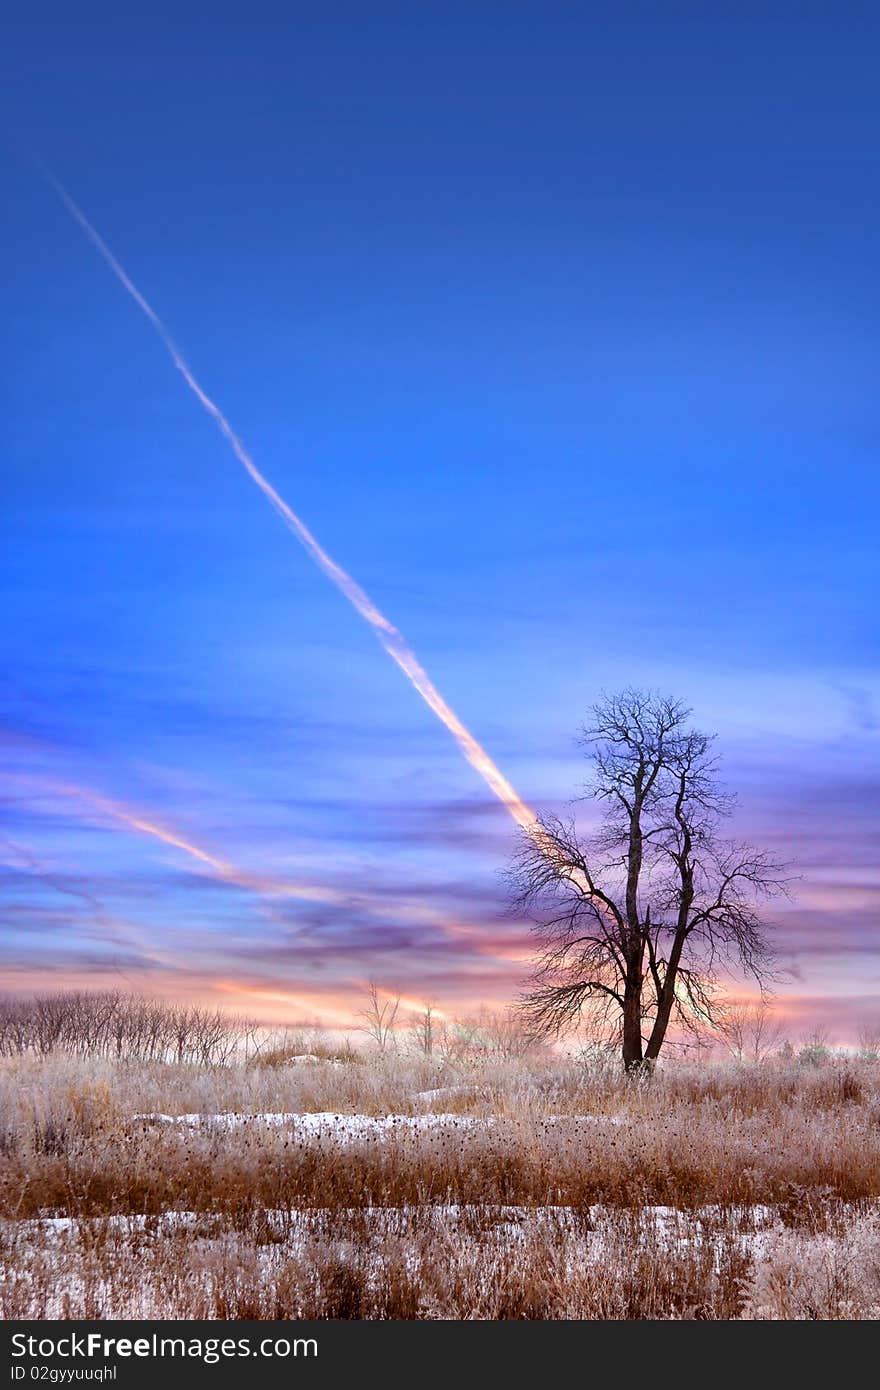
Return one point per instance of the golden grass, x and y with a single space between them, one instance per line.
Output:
548 1209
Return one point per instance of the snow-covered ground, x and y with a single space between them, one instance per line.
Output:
322 1122
507 1222
63 1254
195 1263
326 1123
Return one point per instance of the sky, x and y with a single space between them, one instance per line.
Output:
557 324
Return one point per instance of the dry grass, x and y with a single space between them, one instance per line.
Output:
766 1177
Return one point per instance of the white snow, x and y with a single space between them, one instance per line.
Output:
325 1123
322 1122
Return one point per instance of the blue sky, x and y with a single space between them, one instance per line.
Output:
558 326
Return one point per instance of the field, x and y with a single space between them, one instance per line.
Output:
308 1182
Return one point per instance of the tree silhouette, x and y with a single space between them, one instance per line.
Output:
634 921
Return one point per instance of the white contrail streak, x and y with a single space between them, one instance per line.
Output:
221 870
392 640
268 887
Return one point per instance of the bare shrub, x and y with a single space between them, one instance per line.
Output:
379 1016
749 1031
423 1030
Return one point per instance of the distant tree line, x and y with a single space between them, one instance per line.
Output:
116 1025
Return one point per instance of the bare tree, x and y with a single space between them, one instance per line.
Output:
634 921
423 1029
869 1041
378 1018
749 1031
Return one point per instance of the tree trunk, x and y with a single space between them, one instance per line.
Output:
632 993
632 1026
658 1032
666 999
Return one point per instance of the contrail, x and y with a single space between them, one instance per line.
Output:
392 640
264 886
222 869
